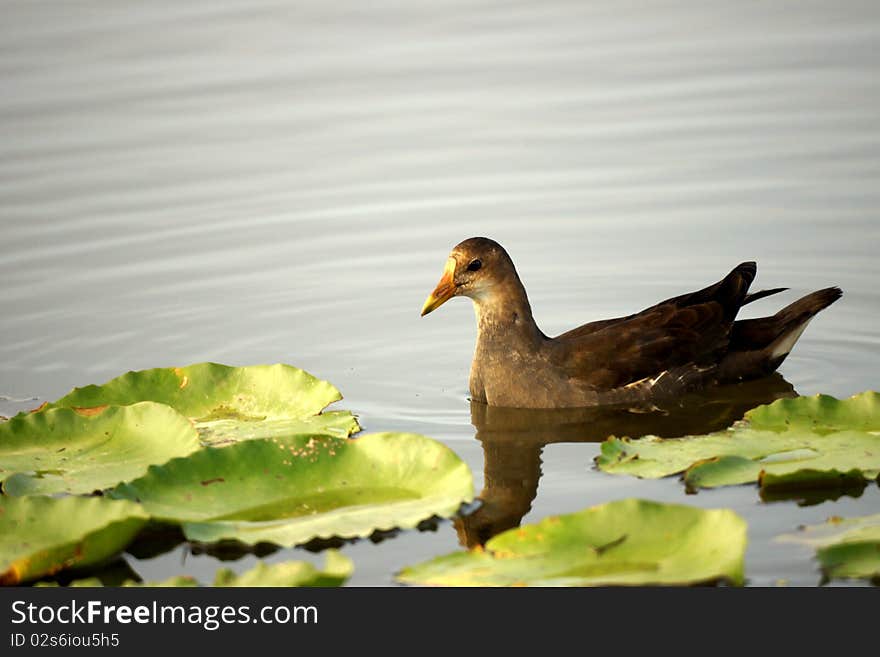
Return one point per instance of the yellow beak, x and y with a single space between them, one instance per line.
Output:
444 290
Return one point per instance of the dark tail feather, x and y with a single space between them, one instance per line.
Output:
806 307
754 296
733 289
730 292
758 346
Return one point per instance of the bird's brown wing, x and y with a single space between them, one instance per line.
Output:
661 339
690 331
730 292
592 327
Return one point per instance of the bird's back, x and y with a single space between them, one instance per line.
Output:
671 344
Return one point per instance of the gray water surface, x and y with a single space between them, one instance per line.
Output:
259 182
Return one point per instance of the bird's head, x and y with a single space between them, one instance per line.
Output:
477 268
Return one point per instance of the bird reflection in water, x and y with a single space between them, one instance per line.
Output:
514 438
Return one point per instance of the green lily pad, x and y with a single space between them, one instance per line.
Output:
41 535
83 450
229 404
336 571
846 548
628 542
287 491
819 414
807 442
178 581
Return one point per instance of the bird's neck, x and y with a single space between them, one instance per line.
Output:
504 317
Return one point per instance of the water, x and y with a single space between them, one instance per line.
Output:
281 182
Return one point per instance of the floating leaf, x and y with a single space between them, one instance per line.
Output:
807 442
819 414
628 542
337 570
229 404
41 535
846 548
289 490
87 449
178 581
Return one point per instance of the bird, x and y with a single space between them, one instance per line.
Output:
684 344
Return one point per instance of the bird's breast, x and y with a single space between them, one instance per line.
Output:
521 378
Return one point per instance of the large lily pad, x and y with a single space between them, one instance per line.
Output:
229 404
289 490
83 450
819 414
628 542
792 443
42 535
337 570
846 548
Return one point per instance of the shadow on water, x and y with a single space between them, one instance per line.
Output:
113 573
513 440
848 486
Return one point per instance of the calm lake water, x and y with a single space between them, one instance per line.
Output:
259 182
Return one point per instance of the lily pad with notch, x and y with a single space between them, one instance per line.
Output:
627 542
789 445
229 404
288 491
82 450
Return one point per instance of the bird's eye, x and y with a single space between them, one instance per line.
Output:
474 265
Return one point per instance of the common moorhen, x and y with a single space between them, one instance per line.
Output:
676 346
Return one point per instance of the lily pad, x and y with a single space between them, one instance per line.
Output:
628 542
846 548
287 491
336 571
178 581
87 449
807 442
41 535
229 404
819 414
